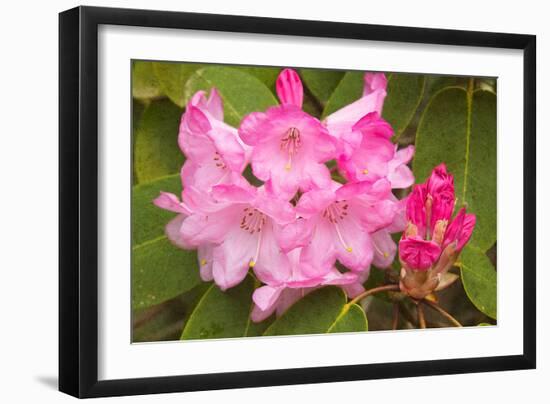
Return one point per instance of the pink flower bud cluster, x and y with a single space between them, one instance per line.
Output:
432 239
293 229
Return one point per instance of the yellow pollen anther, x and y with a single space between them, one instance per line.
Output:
349 249
288 167
365 171
386 255
203 262
251 264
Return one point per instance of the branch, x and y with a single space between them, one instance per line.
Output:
438 308
372 291
421 319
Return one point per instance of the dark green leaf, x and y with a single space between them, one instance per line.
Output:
172 77
459 128
144 82
405 92
164 322
321 83
156 151
148 221
322 311
348 90
267 75
480 280
161 271
222 314
241 92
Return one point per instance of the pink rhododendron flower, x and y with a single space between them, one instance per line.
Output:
211 146
242 232
281 290
341 122
432 240
339 222
289 146
376 157
292 230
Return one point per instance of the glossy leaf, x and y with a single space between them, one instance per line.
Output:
160 271
480 280
221 314
459 128
156 151
172 77
164 322
267 75
405 93
148 221
321 83
144 82
322 311
348 90
232 85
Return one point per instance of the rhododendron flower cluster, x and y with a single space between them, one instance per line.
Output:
301 229
432 239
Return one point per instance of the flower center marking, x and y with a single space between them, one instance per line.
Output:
252 222
219 161
290 143
334 213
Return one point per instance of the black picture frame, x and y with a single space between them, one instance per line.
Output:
78 201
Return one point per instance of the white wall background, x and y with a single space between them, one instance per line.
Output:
28 202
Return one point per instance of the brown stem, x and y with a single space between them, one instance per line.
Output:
395 321
421 319
372 291
438 308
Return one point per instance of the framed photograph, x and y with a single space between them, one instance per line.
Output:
253 201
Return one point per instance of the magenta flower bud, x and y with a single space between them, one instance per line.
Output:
418 254
432 240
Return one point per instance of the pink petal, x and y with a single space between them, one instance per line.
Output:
169 201
418 254
373 82
205 254
173 232
354 249
266 296
232 258
384 249
272 265
289 88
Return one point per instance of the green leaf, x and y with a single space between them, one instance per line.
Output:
321 83
458 128
144 82
160 271
221 314
267 75
480 280
241 92
405 93
348 90
164 322
156 151
484 325
148 221
172 77
322 311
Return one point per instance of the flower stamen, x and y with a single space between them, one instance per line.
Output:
336 212
290 143
252 222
